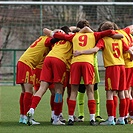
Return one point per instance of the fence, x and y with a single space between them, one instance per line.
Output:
22 22
8 69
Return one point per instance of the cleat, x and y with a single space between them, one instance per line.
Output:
21 120
107 122
70 122
81 119
126 120
29 116
122 122
34 122
25 120
130 120
75 118
99 119
51 120
62 119
58 123
93 123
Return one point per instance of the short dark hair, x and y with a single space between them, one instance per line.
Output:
66 29
82 23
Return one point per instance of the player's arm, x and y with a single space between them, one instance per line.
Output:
131 53
60 34
131 47
117 36
72 28
128 49
110 33
50 33
47 31
84 52
100 45
86 30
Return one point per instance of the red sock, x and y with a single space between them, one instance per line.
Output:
127 100
21 99
71 107
61 106
52 102
122 107
57 108
35 101
131 107
27 102
92 106
115 98
110 107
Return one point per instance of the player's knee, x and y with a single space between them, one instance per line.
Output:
58 98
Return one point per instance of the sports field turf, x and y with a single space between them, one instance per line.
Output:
9 116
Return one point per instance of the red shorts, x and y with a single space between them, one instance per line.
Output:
129 76
24 73
36 78
115 78
82 69
53 70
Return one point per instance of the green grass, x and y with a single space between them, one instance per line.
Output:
9 116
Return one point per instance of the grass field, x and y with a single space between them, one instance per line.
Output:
9 116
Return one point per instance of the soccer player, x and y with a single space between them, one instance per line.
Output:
128 68
24 76
81 92
82 65
53 71
115 79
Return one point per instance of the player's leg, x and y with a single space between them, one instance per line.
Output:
72 103
52 90
21 104
91 103
97 99
122 108
58 103
61 118
36 99
115 99
80 100
130 117
27 99
110 109
23 77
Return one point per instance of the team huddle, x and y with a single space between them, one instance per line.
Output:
66 58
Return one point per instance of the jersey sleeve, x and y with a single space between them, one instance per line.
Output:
125 47
127 30
99 35
67 37
100 44
47 42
